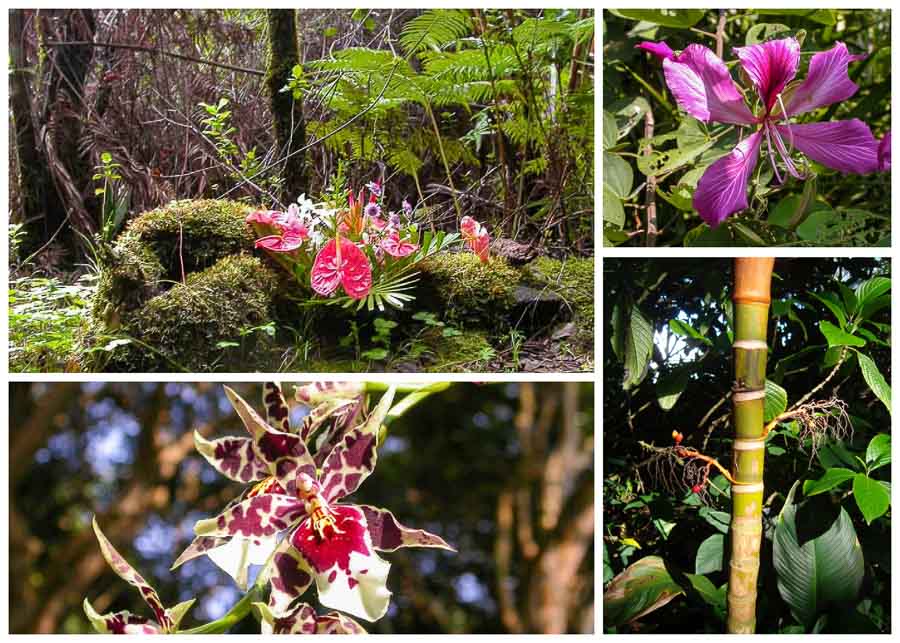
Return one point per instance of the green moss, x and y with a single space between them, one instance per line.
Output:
573 280
181 329
467 291
461 352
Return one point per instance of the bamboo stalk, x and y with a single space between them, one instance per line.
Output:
752 282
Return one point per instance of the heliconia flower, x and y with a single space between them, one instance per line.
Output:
341 263
392 245
167 620
327 542
253 461
476 236
704 88
303 619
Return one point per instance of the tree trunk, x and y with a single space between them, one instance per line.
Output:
752 283
287 112
39 201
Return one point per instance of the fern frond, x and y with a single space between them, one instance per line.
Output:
434 29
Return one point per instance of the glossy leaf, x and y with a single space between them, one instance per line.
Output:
833 304
711 555
686 330
677 18
638 348
871 497
875 379
643 587
775 402
837 337
878 453
824 570
832 478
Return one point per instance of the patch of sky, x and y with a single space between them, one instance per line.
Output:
394 444
481 420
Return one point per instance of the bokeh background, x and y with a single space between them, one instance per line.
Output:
504 472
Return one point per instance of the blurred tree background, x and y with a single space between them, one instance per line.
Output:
504 472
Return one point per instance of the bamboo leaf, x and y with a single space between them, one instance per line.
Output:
643 587
878 453
823 570
875 379
871 497
837 337
832 478
775 402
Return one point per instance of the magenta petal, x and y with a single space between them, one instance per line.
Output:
827 82
884 153
389 535
770 65
659 49
722 189
701 84
847 146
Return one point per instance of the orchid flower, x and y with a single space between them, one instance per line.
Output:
476 236
325 541
341 263
252 461
704 88
167 620
303 619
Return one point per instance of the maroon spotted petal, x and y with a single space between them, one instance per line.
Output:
353 459
278 414
303 619
288 577
263 515
317 392
389 535
120 622
234 457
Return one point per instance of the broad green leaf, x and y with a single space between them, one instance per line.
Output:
763 31
871 497
664 161
875 379
832 478
878 453
643 587
610 130
617 175
849 297
826 569
703 236
710 555
708 592
686 330
872 306
838 337
719 520
833 304
677 18
775 402
631 115
619 322
670 386
822 16
819 226
869 291
638 348
613 212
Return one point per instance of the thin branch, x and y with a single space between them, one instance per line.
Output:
650 190
152 50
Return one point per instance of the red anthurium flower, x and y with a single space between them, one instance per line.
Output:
476 236
704 88
167 620
253 461
290 233
327 542
341 263
392 245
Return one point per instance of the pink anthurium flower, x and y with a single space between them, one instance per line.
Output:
341 263
289 231
476 236
704 88
167 620
392 245
326 541
252 461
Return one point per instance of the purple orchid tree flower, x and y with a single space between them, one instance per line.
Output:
704 88
252 460
167 620
324 541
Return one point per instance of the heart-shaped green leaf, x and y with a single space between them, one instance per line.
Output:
871 497
826 569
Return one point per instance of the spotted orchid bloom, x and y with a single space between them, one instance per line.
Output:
704 88
167 620
252 461
326 541
476 235
303 619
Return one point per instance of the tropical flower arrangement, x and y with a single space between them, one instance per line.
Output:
292 518
360 254
703 87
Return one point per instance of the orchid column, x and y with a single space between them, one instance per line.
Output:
752 281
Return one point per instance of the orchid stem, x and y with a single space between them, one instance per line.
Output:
234 616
